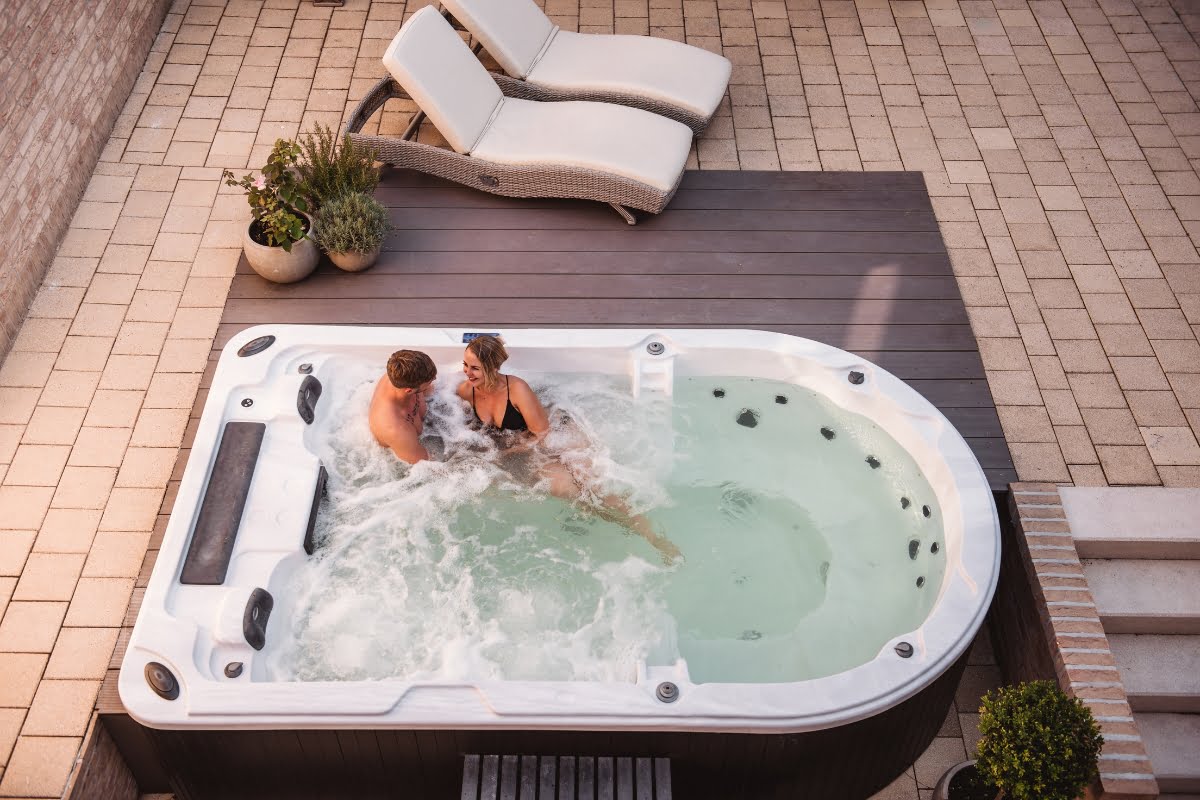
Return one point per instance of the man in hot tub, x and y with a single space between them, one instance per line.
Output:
400 403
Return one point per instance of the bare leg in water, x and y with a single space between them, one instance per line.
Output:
613 509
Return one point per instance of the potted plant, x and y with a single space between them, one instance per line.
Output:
351 229
1037 744
329 168
276 241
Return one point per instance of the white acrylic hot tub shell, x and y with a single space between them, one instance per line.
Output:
195 630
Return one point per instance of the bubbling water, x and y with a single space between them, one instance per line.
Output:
464 567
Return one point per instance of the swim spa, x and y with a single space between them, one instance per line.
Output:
830 598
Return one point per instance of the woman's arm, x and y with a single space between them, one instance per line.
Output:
526 401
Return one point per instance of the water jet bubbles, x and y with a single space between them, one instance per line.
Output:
926 511
750 635
824 572
748 418
781 399
905 502
718 393
828 434
873 461
914 547
920 581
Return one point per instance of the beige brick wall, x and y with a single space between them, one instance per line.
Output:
66 71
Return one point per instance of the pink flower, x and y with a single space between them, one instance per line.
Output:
260 182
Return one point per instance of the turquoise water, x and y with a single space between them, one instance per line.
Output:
799 559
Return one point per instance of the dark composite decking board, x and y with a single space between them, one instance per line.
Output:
851 259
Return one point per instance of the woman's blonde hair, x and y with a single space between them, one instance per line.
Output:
491 354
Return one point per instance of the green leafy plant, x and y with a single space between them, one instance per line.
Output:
275 198
329 167
1038 743
351 223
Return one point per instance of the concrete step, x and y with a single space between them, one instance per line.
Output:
1134 522
1146 596
1173 744
1160 673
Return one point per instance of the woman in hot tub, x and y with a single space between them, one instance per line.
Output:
505 403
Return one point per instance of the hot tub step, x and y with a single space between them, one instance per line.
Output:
565 777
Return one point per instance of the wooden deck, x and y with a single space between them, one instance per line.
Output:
851 259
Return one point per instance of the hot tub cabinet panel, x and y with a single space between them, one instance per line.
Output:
849 762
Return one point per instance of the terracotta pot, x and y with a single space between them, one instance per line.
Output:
279 265
355 262
942 790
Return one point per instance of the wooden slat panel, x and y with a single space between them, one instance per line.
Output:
662 778
710 199
747 180
489 778
509 768
621 241
520 287
644 779
624 779
547 777
668 312
587 778
591 219
724 262
529 777
566 778
605 775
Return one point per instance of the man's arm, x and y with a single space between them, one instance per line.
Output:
407 447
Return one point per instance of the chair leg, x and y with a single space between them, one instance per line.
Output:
625 213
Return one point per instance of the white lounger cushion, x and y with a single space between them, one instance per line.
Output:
528 45
660 69
443 77
513 32
617 140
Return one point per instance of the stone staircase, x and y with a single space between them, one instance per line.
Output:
1140 549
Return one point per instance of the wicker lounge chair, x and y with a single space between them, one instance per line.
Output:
545 62
623 156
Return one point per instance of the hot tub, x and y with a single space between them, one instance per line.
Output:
244 523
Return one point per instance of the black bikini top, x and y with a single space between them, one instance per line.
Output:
513 420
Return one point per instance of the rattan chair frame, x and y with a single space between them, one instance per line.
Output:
542 180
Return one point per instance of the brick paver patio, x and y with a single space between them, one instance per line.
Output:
1060 142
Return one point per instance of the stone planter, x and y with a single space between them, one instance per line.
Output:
942 790
278 265
355 262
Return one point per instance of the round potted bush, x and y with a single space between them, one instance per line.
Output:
1037 744
277 243
351 229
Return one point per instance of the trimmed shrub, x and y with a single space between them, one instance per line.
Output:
352 223
1038 743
